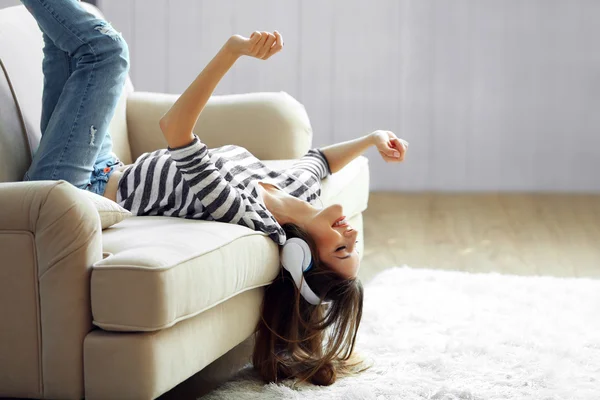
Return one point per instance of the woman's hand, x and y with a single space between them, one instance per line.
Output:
391 148
260 45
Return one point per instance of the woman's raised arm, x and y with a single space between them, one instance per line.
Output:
390 147
178 122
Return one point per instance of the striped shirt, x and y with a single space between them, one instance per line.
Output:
216 185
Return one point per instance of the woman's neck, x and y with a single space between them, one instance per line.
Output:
285 208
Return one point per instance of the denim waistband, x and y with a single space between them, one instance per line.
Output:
100 176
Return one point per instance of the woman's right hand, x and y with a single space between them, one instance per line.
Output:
260 45
391 148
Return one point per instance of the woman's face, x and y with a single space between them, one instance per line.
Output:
335 240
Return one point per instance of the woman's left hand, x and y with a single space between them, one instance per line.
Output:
391 148
261 45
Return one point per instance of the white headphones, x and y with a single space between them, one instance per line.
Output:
296 259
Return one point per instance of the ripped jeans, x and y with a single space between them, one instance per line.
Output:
85 65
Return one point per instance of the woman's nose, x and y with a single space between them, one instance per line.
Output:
352 235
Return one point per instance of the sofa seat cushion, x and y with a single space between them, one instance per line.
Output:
160 270
157 271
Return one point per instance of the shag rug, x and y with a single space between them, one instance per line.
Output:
435 334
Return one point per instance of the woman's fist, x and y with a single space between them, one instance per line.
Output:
389 146
259 45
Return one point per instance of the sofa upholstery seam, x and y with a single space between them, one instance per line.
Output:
57 219
85 244
172 266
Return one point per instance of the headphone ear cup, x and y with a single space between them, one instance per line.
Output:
292 256
296 258
301 252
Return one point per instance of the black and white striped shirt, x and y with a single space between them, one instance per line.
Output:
216 185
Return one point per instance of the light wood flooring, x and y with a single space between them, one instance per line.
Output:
522 234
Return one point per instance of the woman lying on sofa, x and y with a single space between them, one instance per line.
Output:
312 311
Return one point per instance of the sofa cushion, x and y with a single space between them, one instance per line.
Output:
110 213
161 270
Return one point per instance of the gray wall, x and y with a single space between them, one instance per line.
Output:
9 3
491 94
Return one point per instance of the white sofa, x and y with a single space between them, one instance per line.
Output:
131 311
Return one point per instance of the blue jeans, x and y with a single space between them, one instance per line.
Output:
85 65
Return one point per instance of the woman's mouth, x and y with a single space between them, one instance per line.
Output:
341 221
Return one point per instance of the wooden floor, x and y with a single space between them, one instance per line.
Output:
522 234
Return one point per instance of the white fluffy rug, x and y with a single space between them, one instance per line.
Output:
450 335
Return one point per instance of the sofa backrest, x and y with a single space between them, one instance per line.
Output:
21 85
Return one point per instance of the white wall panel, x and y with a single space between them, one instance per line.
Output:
366 76
9 3
451 93
280 73
492 95
184 51
493 136
149 62
315 78
416 67
197 30
121 14
214 26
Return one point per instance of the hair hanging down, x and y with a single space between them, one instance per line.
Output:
295 339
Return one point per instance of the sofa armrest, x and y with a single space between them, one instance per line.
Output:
270 125
50 235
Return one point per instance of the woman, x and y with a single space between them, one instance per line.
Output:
317 293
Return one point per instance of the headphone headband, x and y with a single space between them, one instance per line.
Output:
296 259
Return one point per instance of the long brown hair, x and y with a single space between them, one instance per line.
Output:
295 339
